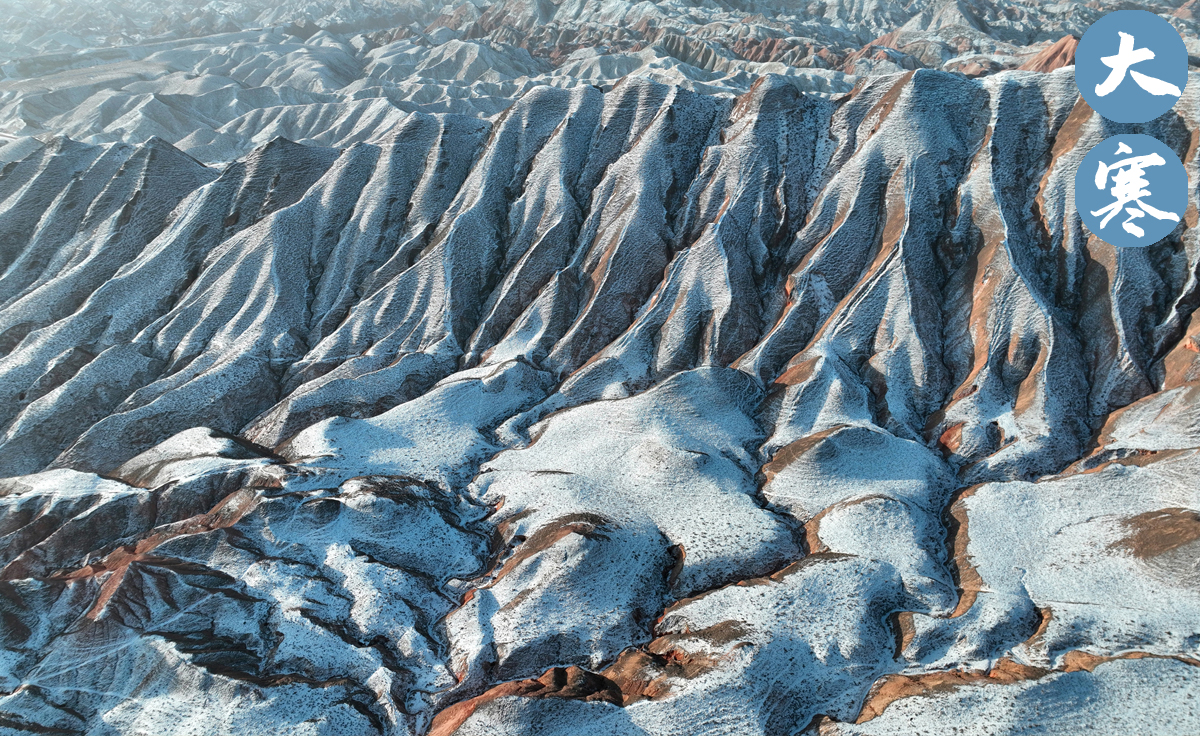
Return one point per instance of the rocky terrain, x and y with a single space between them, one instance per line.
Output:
592 368
218 80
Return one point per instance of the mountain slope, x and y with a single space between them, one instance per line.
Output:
653 410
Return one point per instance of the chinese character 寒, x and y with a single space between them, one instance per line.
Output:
1129 187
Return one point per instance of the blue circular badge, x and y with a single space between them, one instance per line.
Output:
1131 190
1131 66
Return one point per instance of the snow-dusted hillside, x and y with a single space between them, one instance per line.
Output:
217 80
450 376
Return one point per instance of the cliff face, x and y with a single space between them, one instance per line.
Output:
644 409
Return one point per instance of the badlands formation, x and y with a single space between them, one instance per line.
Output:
599 368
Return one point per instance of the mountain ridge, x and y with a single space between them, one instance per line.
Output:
639 408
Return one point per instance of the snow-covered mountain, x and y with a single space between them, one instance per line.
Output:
219 79
546 369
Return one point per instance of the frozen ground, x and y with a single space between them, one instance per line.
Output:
539 369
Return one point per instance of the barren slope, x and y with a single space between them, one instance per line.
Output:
634 411
218 79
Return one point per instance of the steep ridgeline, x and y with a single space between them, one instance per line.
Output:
654 411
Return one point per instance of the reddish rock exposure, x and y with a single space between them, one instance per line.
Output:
558 682
1060 54
1158 532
